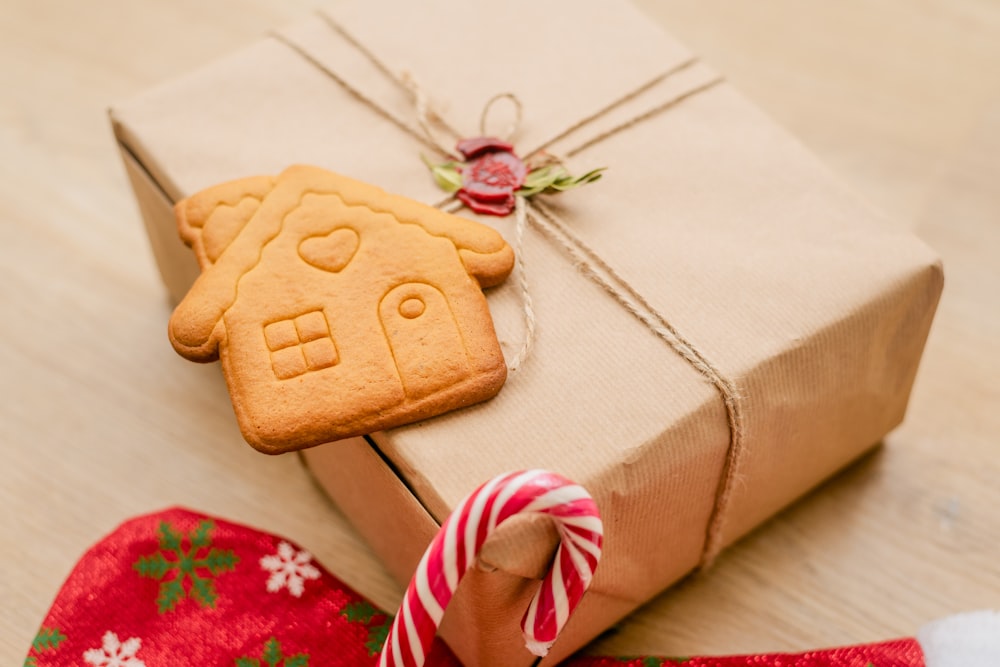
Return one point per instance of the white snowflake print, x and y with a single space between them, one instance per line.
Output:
289 569
114 652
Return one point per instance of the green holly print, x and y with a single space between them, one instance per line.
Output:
651 661
47 639
273 657
186 564
364 612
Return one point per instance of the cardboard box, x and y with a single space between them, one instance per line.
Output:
720 324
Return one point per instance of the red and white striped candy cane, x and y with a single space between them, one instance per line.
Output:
458 542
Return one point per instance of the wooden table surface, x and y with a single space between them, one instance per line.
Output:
100 420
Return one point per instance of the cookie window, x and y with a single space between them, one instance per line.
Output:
300 345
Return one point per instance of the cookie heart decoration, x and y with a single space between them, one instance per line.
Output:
331 252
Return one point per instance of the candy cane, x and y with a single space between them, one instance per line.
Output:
458 542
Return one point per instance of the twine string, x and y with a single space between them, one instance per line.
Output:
521 205
591 264
520 222
426 117
584 257
635 120
603 111
357 94
512 127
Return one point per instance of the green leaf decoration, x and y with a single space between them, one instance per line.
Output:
48 639
552 179
201 535
538 181
541 177
447 176
247 662
169 539
297 660
360 612
31 661
377 635
568 182
272 652
448 179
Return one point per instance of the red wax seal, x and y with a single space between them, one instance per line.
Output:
476 146
490 176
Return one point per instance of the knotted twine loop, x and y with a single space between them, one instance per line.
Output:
512 127
584 257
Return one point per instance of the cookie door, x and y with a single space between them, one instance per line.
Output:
425 340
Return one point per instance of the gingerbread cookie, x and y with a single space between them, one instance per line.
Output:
337 309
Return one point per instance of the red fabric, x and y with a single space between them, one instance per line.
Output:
107 593
899 653
179 588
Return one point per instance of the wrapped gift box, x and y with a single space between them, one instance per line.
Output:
720 324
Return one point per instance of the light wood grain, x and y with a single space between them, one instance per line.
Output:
100 420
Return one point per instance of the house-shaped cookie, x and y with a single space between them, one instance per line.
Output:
337 309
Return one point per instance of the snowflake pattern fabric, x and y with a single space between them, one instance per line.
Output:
289 569
178 588
114 652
